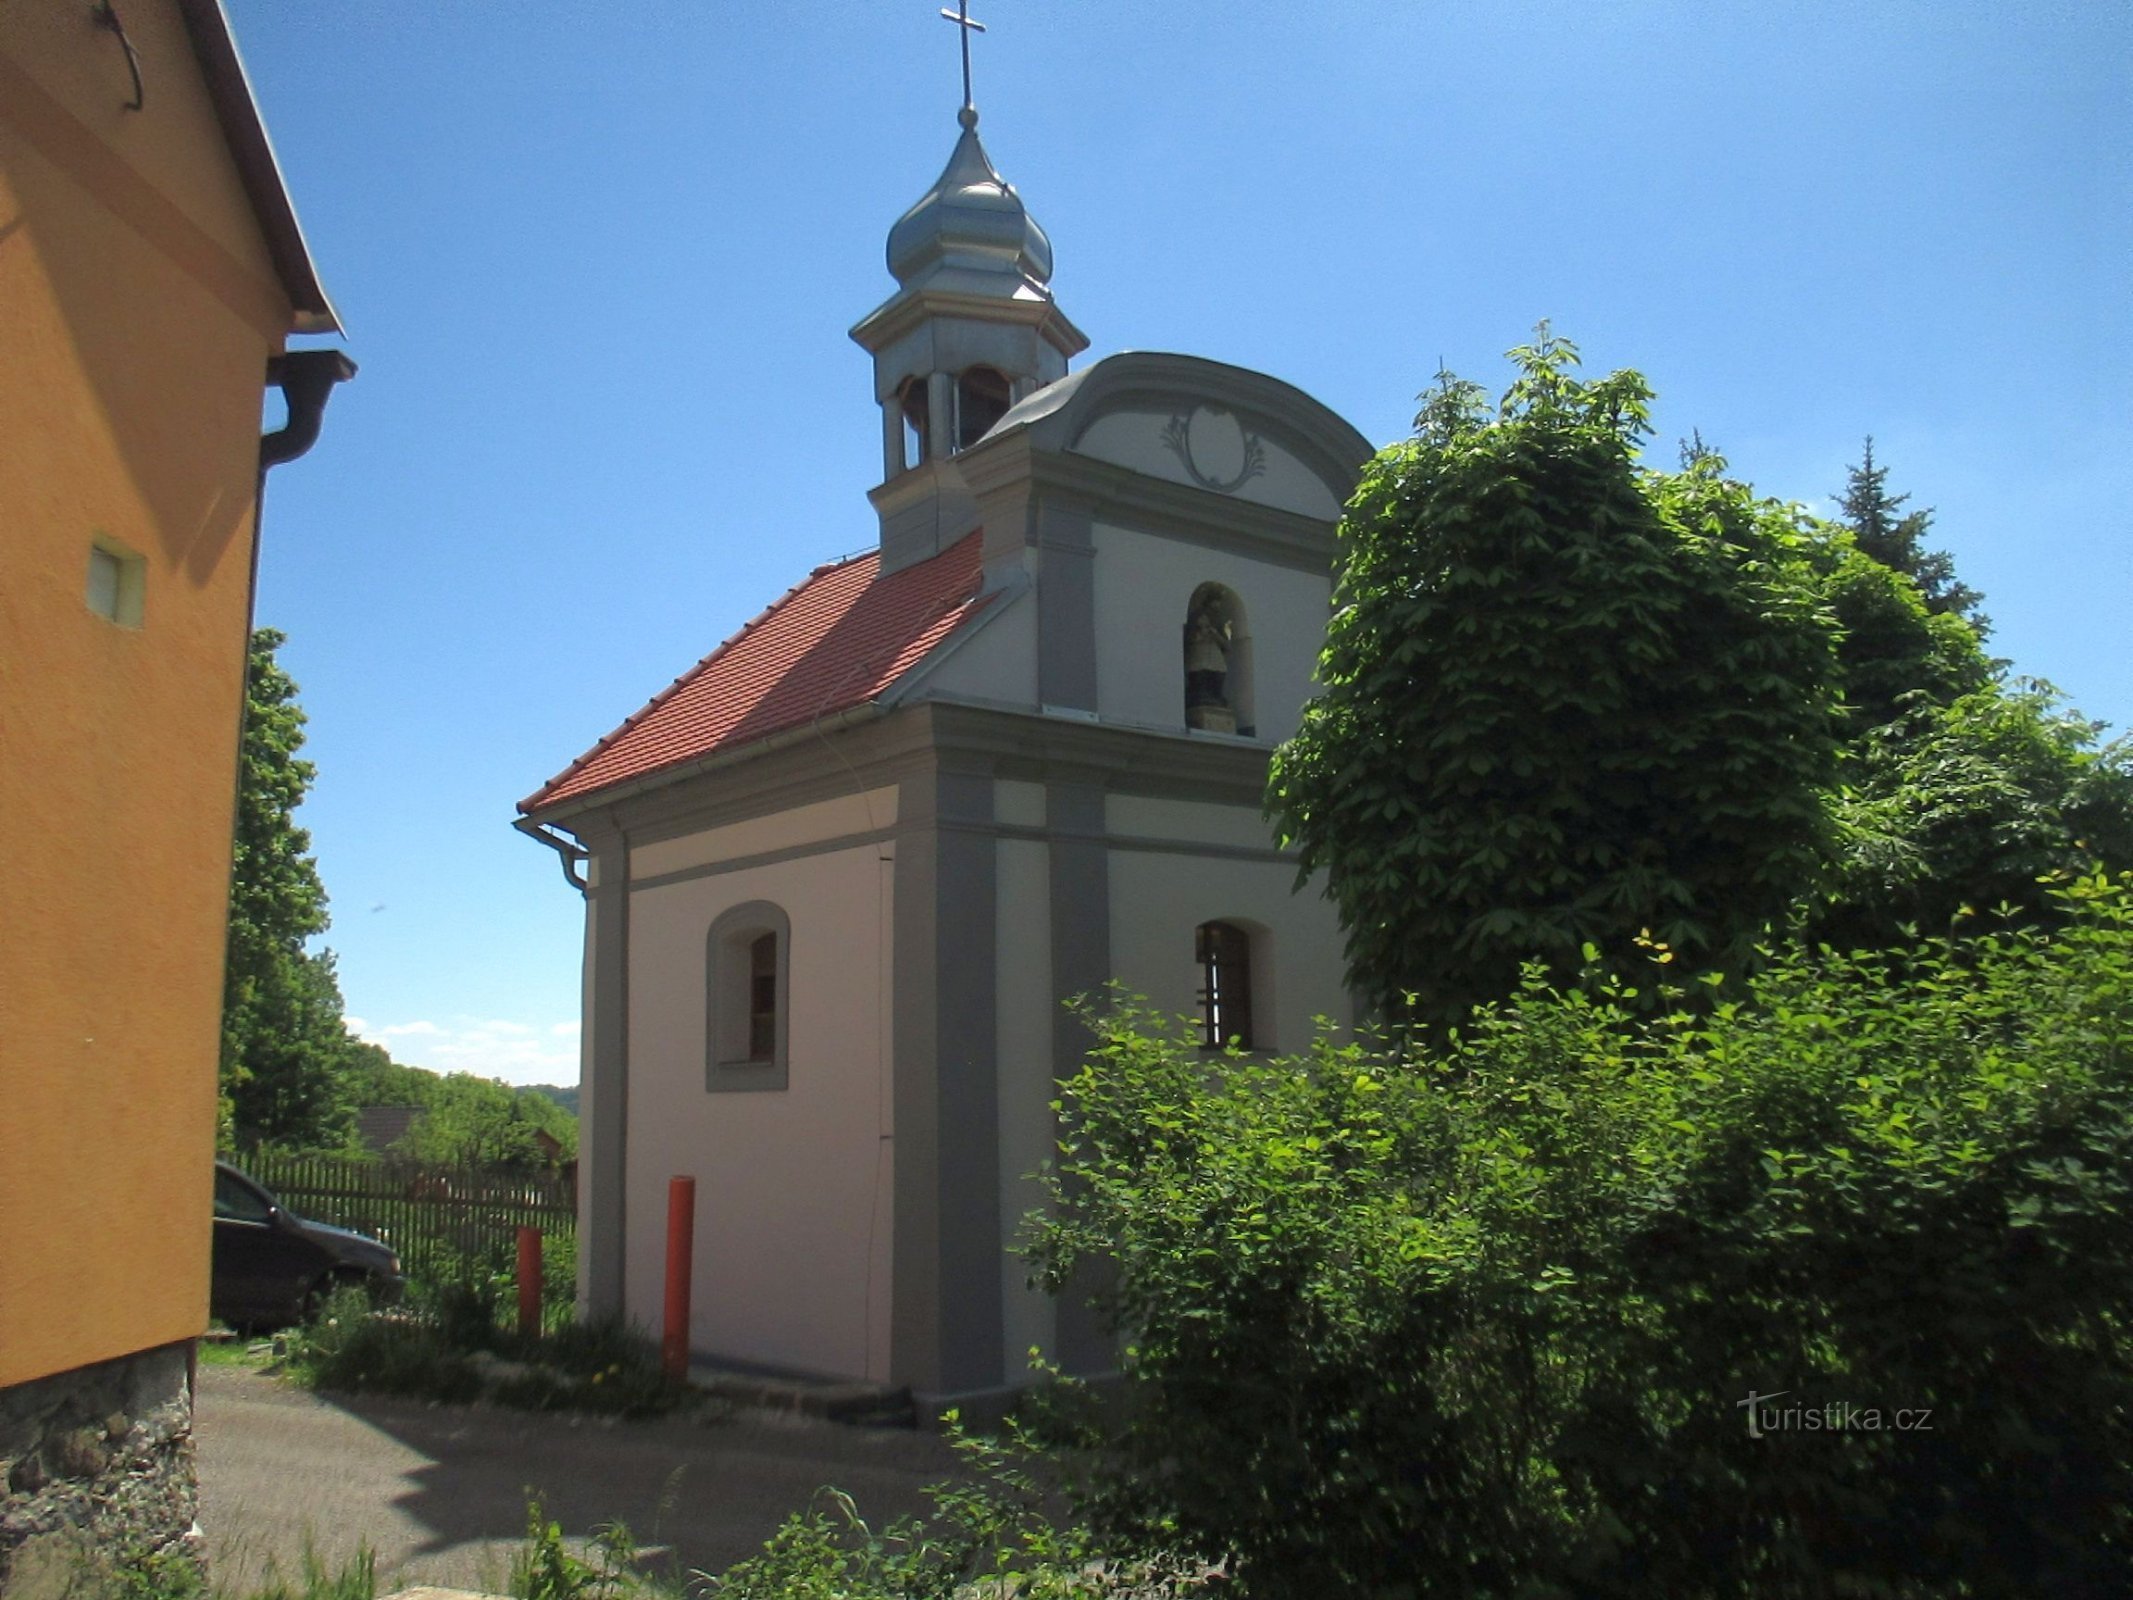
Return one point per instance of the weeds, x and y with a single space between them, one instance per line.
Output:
447 1347
352 1345
544 1568
355 1579
139 1574
991 1535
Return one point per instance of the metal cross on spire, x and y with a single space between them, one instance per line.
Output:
965 25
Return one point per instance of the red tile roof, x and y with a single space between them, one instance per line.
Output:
838 640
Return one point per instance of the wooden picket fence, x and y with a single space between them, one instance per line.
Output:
441 1220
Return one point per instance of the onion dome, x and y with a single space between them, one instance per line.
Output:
971 220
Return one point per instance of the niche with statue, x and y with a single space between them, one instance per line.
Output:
1218 676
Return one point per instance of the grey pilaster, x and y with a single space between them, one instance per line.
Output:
1066 605
940 416
944 1320
971 1247
604 1204
915 1277
1081 965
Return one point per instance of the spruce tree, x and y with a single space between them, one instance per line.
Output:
1896 538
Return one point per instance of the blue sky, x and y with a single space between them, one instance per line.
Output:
598 263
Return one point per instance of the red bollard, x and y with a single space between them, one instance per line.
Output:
681 1254
529 1283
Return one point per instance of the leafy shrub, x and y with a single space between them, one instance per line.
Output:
559 1279
475 1293
1482 1322
464 1310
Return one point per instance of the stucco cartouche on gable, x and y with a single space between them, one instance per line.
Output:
1020 818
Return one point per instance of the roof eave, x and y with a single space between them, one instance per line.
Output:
237 110
559 813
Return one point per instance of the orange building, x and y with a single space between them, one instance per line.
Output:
151 270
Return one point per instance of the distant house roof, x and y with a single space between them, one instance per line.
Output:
237 110
840 639
382 1127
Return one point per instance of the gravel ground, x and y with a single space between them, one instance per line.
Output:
439 1492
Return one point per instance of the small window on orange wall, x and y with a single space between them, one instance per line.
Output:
118 579
1225 956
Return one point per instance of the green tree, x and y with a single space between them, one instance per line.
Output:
285 1048
1972 807
487 1123
1566 699
1961 788
1896 538
465 1118
1895 652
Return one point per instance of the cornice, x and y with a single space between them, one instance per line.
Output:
1016 465
784 771
904 311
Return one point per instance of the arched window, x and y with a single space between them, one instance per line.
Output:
748 960
982 397
1224 952
911 400
1218 663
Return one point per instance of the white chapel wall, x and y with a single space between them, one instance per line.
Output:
1144 585
793 1186
781 830
998 661
1158 899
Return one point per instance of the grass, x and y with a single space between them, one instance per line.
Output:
543 1567
133 1574
235 1351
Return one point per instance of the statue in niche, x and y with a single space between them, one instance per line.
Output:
1207 664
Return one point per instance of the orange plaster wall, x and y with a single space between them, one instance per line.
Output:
139 311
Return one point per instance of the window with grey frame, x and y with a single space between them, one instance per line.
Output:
747 998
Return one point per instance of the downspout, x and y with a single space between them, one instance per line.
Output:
305 379
567 853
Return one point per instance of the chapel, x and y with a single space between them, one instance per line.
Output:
844 875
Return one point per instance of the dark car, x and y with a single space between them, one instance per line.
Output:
271 1264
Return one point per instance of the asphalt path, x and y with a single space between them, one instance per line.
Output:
439 1492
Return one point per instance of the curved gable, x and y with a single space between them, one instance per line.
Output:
1203 425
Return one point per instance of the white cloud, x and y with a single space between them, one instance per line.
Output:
488 1047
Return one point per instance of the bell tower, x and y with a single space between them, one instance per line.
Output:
970 330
